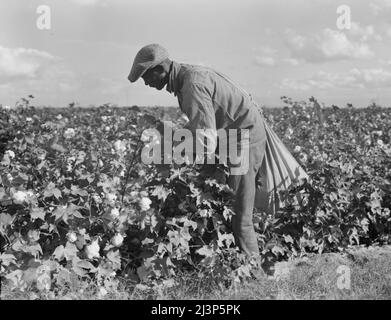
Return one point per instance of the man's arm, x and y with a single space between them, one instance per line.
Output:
198 106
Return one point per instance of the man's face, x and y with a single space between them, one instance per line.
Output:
155 78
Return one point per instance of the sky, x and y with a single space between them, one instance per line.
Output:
272 48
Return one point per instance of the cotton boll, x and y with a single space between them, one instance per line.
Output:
10 154
145 203
69 133
72 237
120 146
114 213
117 240
19 197
92 250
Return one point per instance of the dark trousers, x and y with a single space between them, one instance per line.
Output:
244 187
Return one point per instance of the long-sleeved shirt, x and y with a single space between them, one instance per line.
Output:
212 101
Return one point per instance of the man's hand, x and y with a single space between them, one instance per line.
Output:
168 124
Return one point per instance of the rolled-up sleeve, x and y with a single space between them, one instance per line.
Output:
198 106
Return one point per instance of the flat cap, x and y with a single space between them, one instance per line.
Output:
148 57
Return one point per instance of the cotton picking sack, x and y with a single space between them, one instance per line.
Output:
279 169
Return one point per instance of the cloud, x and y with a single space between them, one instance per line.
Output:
364 33
354 78
384 63
54 79
265 56
265 61
381 9
291 61
26 71
295 84
23 63
329 45
377 6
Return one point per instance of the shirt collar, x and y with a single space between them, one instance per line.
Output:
174 80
